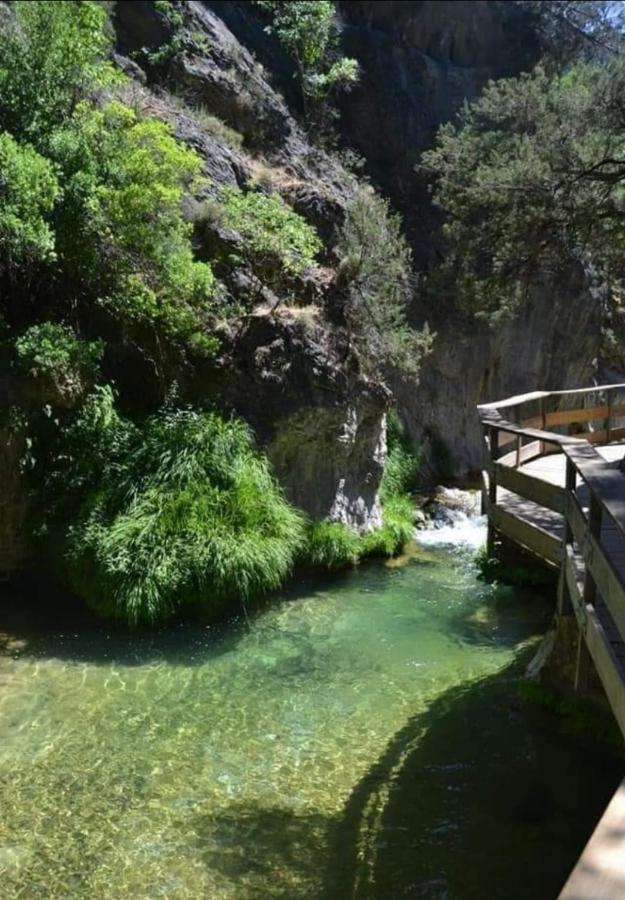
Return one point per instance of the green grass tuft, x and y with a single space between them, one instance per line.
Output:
186 512
331 545
397 528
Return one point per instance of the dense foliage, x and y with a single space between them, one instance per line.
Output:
29 191
531 179
54 350
274 241
376 270
308 31
179 510
94 192
149 513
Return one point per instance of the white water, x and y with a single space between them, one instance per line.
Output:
456 525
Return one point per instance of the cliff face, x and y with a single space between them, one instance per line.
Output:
419 61
287 372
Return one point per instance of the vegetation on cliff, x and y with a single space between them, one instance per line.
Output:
531 180
148 510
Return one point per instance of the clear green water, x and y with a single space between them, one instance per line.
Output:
362 738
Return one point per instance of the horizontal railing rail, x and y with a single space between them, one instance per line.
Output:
590 550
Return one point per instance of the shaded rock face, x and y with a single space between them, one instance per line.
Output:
330 462
419 62
551 345
322 424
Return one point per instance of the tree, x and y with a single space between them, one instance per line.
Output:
274 241
376 273
568 30
28 190
53 53
532 176
307 29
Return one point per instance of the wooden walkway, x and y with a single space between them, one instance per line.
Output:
552 484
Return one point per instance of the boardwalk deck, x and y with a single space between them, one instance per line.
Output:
552 469
562 497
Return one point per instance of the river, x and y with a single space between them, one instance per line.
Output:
360 737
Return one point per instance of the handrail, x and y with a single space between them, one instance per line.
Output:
591 552
589 511
519 399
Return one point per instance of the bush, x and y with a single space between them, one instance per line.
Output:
54 350
28 190
376 270
308 31
397 528
185 512
403 460
274 240
53 52
120 228
331 545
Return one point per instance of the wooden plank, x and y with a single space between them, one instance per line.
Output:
533 422
604 436
532 537
542 492
576 519
536 433
528 451
566 416
518 399
600 870
514 401
574 586
607 665
605 482
608 582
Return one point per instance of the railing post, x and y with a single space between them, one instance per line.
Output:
543 423
565 606
594 529
608 430
493 436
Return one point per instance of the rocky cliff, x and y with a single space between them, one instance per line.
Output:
227 88
419 62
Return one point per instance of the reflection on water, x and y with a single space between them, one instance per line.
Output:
360 739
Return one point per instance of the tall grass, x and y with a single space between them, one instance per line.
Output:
331 545
186 512
401 473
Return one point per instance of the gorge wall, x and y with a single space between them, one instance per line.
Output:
420 60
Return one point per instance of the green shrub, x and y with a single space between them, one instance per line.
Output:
376 270
53 349
396 530
120 228
185 511
308 31
331 545
53 52
274 241
403 460
28 190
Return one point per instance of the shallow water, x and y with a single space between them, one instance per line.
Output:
361 738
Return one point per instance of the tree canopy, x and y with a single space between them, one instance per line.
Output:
531 176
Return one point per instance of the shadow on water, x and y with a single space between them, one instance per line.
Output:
478 798
42 619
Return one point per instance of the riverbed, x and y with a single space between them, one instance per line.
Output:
361 737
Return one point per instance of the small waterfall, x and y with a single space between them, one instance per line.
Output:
456 521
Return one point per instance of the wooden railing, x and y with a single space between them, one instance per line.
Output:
578 526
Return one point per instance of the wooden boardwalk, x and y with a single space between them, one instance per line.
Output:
553 485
